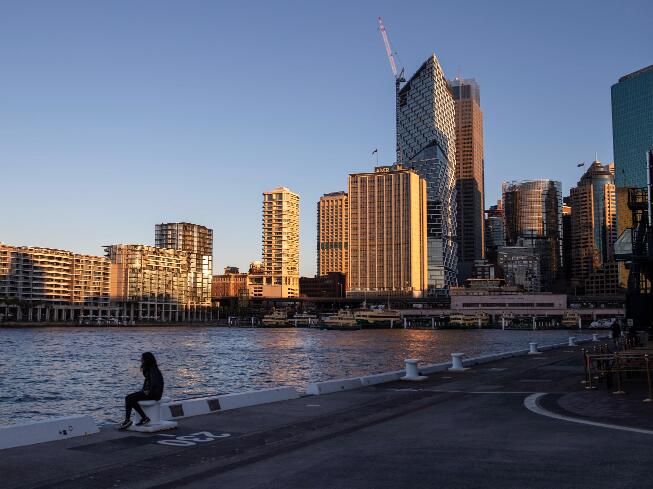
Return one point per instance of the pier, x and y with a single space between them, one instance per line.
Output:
522 421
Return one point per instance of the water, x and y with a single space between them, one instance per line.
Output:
47 372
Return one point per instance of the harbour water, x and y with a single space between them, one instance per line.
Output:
48 372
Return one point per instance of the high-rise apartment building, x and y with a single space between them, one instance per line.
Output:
426 142
149 283
279 276
387 236
593 222
197 241
532 216
470 181
333 233
45 284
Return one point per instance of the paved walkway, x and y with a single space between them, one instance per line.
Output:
463 430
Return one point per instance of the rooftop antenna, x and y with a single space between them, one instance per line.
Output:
398 76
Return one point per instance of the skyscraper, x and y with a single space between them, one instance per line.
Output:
426 142
333 233
533 218
470 184
593 222
387 242
197 241
280 247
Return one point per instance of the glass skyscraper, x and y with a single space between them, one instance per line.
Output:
426 142
632 126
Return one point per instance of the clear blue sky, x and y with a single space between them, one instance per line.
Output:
117 115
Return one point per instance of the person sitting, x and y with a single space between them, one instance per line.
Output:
152 391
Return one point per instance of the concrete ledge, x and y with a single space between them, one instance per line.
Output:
330 386
186 408
19 435
434 368
382 378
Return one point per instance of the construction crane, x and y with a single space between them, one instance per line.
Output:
399 76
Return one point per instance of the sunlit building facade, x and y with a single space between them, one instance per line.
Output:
532 216
279 275
230 284
387 237
593 223
426 142
333 233
45 284
470 181
197 241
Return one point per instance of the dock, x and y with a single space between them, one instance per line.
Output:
525 421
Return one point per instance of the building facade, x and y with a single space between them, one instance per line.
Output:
388 239
426 142
593 223
333 233
197 242
333 284
45 284
494 236
520 266
149 283
470 181
532 217
280 248
230 284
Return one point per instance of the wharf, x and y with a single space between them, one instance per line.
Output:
484 427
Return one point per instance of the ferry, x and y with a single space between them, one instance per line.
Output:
378 318
276 319
303 319
478 319
570 319
343 320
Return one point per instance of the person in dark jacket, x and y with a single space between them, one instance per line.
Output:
152 390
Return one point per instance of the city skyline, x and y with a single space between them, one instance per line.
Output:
83 138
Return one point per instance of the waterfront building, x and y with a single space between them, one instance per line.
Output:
494 237
426 142
533 218
149 283
593 223
470 182
279 275
197 242
333 233
332 284
45 284
230 284
520 266
387 242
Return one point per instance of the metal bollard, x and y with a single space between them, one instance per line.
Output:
572 341
532 348
648 378
411 371
457 362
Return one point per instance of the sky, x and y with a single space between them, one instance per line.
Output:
115 116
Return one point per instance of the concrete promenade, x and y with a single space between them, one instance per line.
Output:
485 427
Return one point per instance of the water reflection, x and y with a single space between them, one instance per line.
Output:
47 372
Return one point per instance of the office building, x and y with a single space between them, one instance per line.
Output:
45 284
470 182
532 211
426 142
566 240
387 237
494 231
197 242
593 223
520 266
333 233
230 284
279 276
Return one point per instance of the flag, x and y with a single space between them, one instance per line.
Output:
375 151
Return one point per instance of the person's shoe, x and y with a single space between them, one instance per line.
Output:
143 421
125 424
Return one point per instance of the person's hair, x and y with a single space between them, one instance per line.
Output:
148 360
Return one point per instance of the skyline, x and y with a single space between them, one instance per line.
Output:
98 96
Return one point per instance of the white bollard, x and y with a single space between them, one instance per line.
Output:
457 362
153 411
532 348
572 341
595 337
411 371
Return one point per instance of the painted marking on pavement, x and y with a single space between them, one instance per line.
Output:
531 403
192 439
